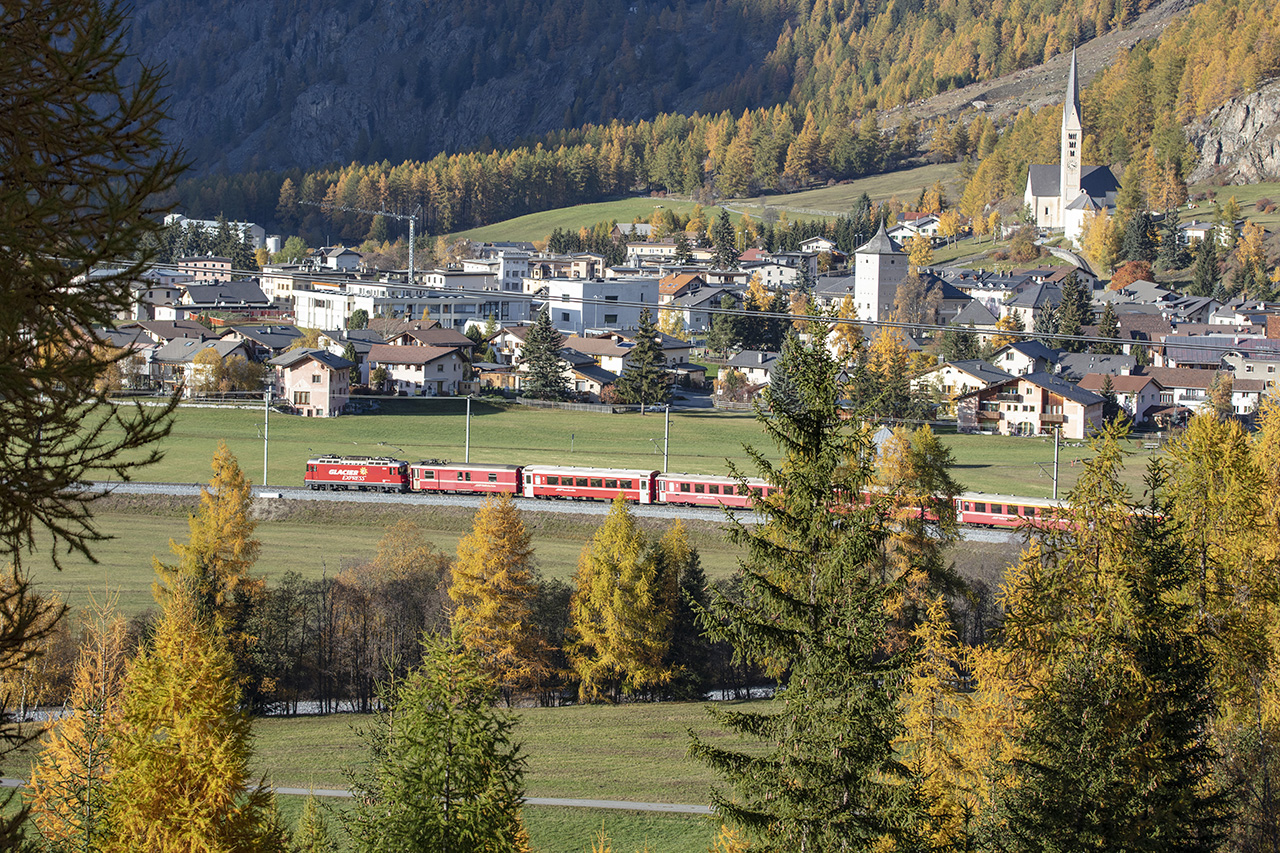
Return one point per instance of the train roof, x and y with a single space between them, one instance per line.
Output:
332 459
589 472
464 466
711 478
1010 499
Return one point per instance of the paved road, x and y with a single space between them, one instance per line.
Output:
622 805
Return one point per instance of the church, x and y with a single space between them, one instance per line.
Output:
1062 195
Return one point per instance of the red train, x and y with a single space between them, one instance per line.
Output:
364 473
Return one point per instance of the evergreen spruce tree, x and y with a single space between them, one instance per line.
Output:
1045 326
1109 327
1172 255
1110 402
725 242
644 379
958 344
813 613
545 379
684 252
1139 242
1073 312
690 651
723 334
443 771
1205 277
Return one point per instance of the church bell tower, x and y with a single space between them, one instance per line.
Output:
1072 138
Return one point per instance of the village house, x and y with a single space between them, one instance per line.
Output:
1030 405
1139 396
315 382
957 378
205 268
1026 356
263 342
756 365
418 371
174 364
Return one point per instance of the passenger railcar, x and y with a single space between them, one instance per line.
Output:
433 475
357 473
1005 511
550 481
704 490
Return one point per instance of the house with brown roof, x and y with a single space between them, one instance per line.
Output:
676 285
1137 395
315 382
1030 405
419 371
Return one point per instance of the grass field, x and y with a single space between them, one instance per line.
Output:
701 442
1246 196
905 185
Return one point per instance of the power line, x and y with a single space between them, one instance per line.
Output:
338 278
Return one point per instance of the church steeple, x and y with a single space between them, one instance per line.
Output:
1072 137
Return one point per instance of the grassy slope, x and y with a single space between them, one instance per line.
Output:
905 185
1245 196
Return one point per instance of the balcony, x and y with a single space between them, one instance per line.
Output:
1009 397
989 416
1047 418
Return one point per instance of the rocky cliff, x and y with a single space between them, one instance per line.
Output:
1240 141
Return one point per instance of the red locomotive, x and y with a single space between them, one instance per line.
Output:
359 473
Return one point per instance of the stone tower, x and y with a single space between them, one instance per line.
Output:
1072 139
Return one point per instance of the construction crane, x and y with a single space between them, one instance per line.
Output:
412 217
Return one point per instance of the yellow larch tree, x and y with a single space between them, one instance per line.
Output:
183 748
920 251
846 341
493 586
1008 323
71 777
888 355
671 322
620 633
934 704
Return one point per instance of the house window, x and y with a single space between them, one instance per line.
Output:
564 316
611 319
439 368
613 298
302 398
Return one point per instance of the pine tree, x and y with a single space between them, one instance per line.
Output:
1109 327
1045 326
313 834
545 379
443 771
1139 241
683 581
813 613
1205 278
621 631
1073 314
493 587
72 775
644 379
723 334
183 749
684 252
1172 255
724 240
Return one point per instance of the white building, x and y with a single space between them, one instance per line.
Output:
509 268
257 235
321 304
583 305
879 267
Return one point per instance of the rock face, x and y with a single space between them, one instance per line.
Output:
1240 141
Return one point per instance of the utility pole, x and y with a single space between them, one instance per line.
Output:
1057 434
666 441
467 456
412 217
266 425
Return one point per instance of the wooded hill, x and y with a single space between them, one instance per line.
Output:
830 131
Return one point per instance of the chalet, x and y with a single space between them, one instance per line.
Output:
957 378
264 342
1030 405
1023 357
434 336
675 285
697 306
1137 395
174 364
315 382
756 365
205 268
420 371
1074 366
1031 303
656 251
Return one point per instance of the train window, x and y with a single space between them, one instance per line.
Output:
979 507
459 475
997 509
967 506
684 487
625 484
580 481
428 475
553 481
714 488
742 490
611 484
468 476
1029 511
493 478
597 483
755 493
699 488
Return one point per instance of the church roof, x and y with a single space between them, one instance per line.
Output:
1084 201
1098 182
881 244
1071 107
1045 180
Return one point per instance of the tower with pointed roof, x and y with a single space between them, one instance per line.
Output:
1072 139
1061 196
879 266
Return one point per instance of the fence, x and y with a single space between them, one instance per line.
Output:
603 408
